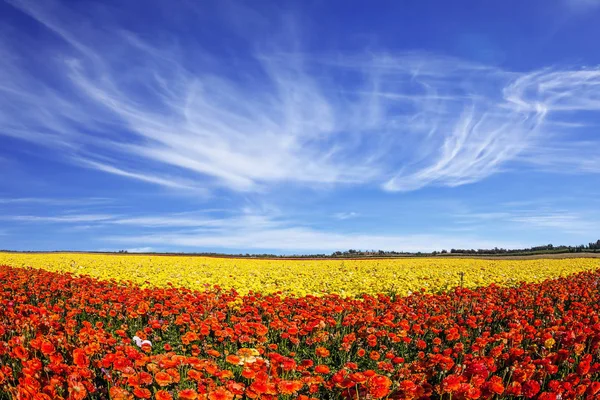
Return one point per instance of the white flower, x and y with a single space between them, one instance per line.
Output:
139 342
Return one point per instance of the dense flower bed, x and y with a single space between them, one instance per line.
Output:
303 277
63 336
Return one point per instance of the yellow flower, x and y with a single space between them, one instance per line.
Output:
549 343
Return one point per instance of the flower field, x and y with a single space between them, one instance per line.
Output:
73 336
304 277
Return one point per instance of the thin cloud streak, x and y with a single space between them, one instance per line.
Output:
61 218
306 239
580 223
402 122
345 215
57 201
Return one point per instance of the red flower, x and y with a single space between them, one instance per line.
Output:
584 366
495 385
21 353
451 384
47 348
530 388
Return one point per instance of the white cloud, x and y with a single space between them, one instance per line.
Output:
140 250
399 121
345 215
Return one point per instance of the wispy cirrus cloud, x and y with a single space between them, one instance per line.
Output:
398 121
564 221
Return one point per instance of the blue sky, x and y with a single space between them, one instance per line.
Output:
298 127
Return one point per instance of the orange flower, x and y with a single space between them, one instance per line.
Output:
142 393
163 379
187 394
174 374
163 395
21 353
118 393
233 359
451 383
289 387
77 391
80 359
358 377
144 378
220 394
322 369
194 375
322 352
379 386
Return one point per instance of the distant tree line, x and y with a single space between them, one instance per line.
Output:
549 248
591 247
